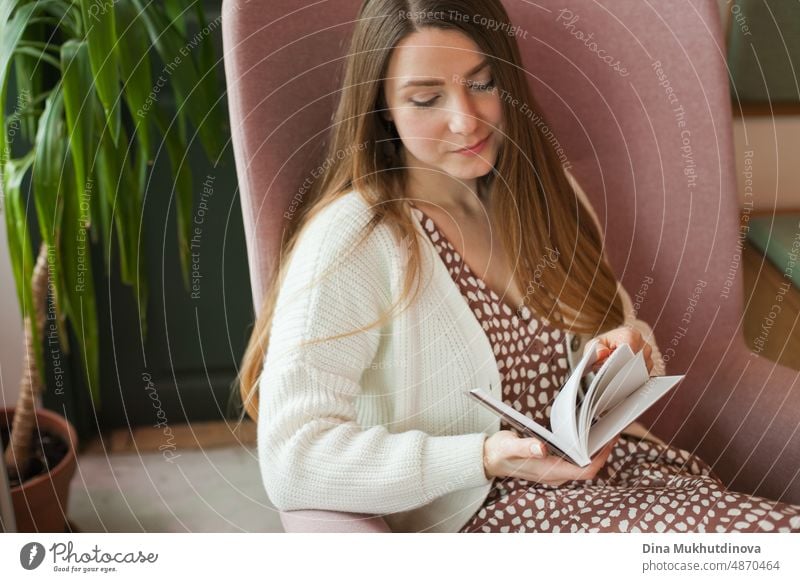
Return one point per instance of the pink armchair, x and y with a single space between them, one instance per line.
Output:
642 111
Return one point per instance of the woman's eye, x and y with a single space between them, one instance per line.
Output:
487 86
424 103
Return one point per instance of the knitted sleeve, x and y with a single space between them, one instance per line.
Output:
313 453
659 366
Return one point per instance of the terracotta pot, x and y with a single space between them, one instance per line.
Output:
40 504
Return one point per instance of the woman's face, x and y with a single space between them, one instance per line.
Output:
441 97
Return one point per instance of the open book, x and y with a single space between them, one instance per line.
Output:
581 424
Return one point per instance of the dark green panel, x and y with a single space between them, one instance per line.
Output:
764 50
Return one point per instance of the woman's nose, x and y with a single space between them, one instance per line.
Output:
463 119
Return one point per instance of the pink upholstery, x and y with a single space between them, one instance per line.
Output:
312 521
623 141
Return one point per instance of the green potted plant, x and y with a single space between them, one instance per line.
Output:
92 109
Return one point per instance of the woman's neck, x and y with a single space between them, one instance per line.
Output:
446 193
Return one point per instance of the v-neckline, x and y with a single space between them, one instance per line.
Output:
518 312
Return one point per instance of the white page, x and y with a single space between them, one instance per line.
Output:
563 417
611 367
629 410
616 362
617 389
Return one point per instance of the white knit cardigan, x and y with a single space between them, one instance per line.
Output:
379 422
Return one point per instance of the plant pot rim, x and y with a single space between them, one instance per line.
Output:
61 425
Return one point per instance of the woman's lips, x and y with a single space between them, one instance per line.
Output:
476 149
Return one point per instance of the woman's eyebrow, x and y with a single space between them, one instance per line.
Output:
438 81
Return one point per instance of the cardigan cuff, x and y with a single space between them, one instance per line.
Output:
454 462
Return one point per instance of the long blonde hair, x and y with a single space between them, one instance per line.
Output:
531 195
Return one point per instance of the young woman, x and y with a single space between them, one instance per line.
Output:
445 248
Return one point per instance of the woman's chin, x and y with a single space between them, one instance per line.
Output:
472 171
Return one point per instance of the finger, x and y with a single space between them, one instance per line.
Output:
633 337
600 460
599 349
602 354
609 448
603 454
556 470
525 447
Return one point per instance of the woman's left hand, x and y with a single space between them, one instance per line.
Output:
610 340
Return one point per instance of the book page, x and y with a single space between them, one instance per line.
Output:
619 388
629 409
563 415
613 364
607 374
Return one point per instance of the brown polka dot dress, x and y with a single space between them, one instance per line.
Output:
643 487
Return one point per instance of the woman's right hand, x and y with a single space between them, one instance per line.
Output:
507 455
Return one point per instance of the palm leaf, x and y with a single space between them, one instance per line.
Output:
47 168
78 137
79 106
193 98
74 254
16 227
11 32
176 150
19 243
207 83
134 59
117 183
28 78
109 175
175 10
101 34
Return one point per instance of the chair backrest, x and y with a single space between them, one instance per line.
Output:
636 93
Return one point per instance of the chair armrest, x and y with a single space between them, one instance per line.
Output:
769 447
314 521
